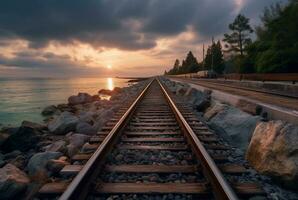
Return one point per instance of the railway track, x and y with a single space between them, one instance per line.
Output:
227 85
273 98
153 148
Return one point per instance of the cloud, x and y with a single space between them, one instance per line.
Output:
106 22
159 29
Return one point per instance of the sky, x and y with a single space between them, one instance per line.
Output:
101 38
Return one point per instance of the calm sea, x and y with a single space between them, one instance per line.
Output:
24 99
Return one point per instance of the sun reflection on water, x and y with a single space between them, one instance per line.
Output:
110 83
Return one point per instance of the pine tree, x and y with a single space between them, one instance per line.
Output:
191 63
214 58
239 38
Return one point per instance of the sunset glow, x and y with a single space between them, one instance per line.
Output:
141 41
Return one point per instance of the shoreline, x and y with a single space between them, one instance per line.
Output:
34 151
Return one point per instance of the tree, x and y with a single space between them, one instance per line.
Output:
214 58
191 63
239 38
276 47
176 66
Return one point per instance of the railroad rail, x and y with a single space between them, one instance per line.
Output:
228 85
153 146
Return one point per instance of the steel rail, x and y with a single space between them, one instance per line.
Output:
221 188
78 188
206 82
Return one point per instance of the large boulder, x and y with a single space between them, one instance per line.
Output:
37 163
25 138
63 124
3 138
199 100
273 151
49 110
85 128
81 98
34 125
214 109
13 181
115 91
249 107
181 89
76 141
235 126
59 145
55 166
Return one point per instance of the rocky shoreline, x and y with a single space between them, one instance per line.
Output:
32 154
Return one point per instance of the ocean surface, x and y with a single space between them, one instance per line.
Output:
24 99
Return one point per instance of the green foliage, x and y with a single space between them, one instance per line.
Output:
189 65
276 48
238 39
214 58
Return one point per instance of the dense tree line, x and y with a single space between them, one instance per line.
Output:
275 49
189 65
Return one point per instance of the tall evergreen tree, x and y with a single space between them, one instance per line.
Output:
176 66
191 63
239 38
214 58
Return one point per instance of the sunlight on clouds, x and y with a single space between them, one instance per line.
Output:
239 5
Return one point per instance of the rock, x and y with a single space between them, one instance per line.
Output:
55 166
3 138
25 138
77 140
235 126
273 151
87 117
85 128
203 101
37 163
58 146
81 98
13 181
119 157
87 148
72 150
65 107
19 162
96 98
181 90
249 107
214 109
202 104
12 154
49 110
115 91
33 125
63 124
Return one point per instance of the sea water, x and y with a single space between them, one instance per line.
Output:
24 99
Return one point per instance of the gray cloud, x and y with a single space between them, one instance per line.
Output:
123 24
46 64
103 22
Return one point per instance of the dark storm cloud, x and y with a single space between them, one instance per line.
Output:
45 63
104 22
